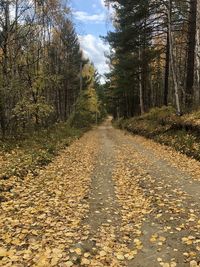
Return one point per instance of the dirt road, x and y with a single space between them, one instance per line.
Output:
110 199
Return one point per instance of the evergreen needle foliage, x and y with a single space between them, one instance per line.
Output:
154 56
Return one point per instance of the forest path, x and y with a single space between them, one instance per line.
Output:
110 199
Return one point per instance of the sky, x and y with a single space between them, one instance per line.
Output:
91 19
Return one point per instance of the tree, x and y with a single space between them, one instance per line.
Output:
88 109
133 56
40 58
191 50
154 59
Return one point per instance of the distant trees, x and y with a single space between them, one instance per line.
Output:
155 55
40 59
89 105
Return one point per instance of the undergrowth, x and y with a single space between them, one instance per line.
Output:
30 153
164 126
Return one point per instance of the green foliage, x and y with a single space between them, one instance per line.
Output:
89 108
27 113
132 53
142 54
86 110
39 72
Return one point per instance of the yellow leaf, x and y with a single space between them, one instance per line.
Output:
85 261
3 252
102 253
78 251
120 256
42 261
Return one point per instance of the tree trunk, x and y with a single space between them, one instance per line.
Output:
2 118
167 66
5 61
191 52
174 77
198 52
66 100
141 94
140 83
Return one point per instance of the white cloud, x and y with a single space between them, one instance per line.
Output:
95 49
108 7
103 3
85 17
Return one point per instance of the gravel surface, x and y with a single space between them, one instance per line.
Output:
110 199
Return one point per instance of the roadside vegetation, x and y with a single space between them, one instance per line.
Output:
31 152
49 91
18 157
154 82
164 126
28 152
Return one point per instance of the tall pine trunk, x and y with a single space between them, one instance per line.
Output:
141 95
191 53
167 66
172 61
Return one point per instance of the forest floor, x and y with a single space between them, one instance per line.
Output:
109 199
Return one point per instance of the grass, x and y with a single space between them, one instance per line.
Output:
19 157
163 126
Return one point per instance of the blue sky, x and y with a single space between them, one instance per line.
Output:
91 18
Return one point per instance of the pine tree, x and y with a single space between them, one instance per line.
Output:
133 55
155 55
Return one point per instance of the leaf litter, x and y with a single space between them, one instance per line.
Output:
40 221
43 223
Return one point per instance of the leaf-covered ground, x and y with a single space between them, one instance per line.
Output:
165 127
109 199
29 153
41 219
